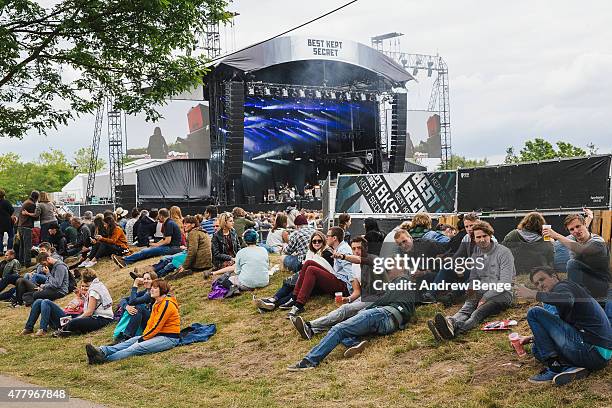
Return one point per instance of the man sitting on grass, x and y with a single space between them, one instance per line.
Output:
574 342
490 289
169 245
391 312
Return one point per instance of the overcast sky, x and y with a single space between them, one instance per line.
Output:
518 70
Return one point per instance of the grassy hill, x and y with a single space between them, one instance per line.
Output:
243 365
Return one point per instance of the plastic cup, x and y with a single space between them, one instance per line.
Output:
339 298
546 226
515 340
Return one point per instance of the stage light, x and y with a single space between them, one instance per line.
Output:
267 91
298 158
333 95
348 96
363 96
251 90
318 94
301 93
285 92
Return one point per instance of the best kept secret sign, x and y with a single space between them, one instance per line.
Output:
327 48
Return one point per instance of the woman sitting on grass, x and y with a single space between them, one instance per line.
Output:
138 306
98 308
252 263
113 243
319 255
162 332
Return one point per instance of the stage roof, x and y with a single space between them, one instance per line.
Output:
310 48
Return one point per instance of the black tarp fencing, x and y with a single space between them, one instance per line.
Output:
178 180
547 185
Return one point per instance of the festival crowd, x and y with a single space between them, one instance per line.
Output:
571 333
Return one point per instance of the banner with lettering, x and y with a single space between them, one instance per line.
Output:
397 193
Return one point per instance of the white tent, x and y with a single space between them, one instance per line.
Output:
77 187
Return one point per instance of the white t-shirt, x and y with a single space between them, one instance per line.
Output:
357 272
275 238
100 311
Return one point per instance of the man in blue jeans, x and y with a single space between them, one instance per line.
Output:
391 312
169 245
574 342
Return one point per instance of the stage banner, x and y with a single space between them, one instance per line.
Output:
396 193
548 185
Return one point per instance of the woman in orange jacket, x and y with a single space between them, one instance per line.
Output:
162 332
114 244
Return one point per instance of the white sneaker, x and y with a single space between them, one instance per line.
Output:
83 264
91 263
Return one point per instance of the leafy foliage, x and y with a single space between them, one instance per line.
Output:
82 158
49 173
540 149
57 61
462 162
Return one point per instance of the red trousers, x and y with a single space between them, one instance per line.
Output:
314 277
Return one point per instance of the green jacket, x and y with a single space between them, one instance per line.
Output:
11 268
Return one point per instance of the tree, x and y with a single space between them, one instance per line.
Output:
460 161
539 149
75 51
82 158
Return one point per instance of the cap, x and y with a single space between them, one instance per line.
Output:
250 236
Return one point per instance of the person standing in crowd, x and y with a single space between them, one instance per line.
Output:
25 224
169 245
55 286
47 214
528 245
161 333
210 215
344 222
6 223
589 263
295 252
241 223
225 243
129 226
572 342
496 267
278 237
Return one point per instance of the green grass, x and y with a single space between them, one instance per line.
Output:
243 365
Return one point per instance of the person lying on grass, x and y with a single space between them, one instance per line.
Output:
573 343
391 312
351 305
161 333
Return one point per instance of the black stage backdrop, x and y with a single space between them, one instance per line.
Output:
177 180
563 184
396 193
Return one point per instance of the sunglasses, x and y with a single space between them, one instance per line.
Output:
317 241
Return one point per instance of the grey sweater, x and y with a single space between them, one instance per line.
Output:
46 212
498 268
58 278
